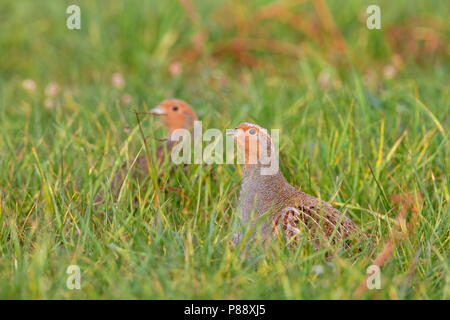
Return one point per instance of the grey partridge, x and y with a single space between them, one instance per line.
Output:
176 114
290 210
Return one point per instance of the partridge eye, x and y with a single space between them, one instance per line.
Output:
252 131
175 108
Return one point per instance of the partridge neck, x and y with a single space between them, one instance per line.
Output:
255 175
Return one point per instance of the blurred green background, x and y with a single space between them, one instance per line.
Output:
364 115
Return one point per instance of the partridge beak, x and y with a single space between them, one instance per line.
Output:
157 111
231 132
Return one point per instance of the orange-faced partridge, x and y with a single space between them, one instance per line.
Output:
176 114
290 210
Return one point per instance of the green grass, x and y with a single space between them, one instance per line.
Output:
360 140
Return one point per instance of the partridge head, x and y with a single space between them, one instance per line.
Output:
175 114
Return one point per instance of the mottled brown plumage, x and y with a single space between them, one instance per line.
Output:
290 210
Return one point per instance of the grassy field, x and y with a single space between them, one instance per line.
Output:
364 117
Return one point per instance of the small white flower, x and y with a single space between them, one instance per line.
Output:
175 68
389 71
126 99
317 269
52 89
117 80
29 85
324 79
